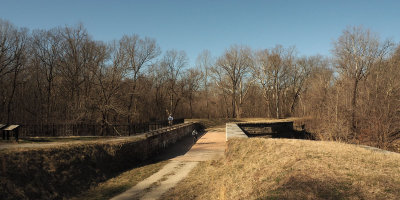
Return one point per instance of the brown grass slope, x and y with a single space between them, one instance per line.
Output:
59 172
63 170
293 169
119 184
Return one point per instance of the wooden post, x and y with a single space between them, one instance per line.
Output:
3 132
16 134
11 128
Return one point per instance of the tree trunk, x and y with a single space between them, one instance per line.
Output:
12 96
48 101
233 102
129 109
239 109
191 108
171 104
208 110
353 109
268 109
292 107
337 107
277 99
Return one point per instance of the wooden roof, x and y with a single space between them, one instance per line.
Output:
11 127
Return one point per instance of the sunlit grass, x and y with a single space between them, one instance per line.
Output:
121 183
293 169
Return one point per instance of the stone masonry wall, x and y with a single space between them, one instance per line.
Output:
61 171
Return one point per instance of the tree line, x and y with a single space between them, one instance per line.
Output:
62 75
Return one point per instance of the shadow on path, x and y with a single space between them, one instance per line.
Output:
179 148
184 155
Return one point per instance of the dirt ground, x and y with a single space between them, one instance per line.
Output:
209 146
183 158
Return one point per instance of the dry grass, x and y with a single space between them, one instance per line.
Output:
61 170
36 143
121 183
293 169
49 140
64 139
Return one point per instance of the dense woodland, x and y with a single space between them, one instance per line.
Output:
62 75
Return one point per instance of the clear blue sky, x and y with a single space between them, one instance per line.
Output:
193 26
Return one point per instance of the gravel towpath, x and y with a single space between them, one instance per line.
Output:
210 146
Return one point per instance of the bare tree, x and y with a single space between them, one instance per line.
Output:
13 56
356 52
234 66
262 73
299 74
46 48
73 65
158 79
172 63
192 79
205 62
272 72
378 104
221 89
108 82
135 53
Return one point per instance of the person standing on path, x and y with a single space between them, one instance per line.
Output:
194 134
170 120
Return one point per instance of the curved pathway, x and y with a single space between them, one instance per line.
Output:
210 146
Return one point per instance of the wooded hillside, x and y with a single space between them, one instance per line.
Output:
62 75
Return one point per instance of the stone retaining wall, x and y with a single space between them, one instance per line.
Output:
275 129
62 171
234 131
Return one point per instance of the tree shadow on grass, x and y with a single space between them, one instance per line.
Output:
301 187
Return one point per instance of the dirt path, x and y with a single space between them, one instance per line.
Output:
210 146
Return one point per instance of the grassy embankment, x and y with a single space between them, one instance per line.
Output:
120 183
128 179
63 169
293 169
50 140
